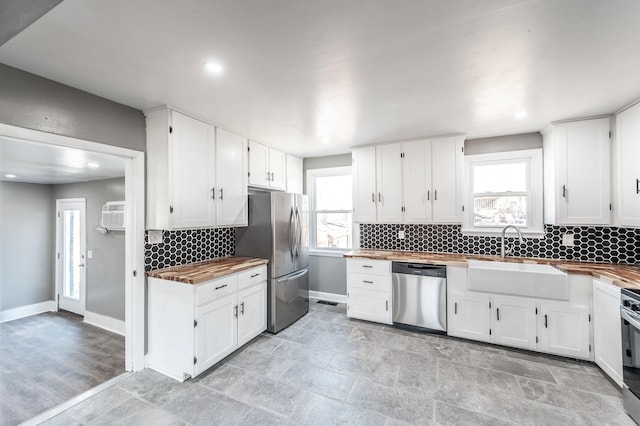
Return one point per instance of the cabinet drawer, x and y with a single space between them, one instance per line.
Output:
370 282
369 267
215 289
252 276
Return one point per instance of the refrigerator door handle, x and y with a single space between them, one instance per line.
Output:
293 277
299 233
292 232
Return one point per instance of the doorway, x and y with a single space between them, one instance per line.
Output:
70 256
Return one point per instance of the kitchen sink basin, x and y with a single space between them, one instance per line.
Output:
518 279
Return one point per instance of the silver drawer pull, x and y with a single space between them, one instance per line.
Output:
368 282
367 266
254 275
222 286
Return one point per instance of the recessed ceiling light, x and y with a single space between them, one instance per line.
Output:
93 165
213 67
10 176
520 114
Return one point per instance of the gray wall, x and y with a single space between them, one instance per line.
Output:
34 102
105 271
503 143
26 238
327 274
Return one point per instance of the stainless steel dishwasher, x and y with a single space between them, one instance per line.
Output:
420 296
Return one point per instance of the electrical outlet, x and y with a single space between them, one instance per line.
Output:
155 237
568 240
89 254
401 235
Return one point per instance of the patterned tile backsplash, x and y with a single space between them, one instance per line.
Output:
591 243
188 246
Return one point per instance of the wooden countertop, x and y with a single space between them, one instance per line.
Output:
625 276
196 273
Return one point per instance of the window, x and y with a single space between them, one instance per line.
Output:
330 199
504 189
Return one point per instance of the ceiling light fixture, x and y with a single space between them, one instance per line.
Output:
213 67
10 176
520 114
93 165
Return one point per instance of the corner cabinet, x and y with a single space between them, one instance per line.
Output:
192 327
427 172
196 174
627 170
267 166
369 290
294 174
607 338
577 172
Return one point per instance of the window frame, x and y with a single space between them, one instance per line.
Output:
312 174
533 192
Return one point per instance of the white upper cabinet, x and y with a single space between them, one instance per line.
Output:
191 181
577 173
294 175
266 166
231 196
446 171
627 168
364 184
388 183
417 190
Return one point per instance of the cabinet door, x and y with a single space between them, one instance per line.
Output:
369 305
468 316
628 172
216 332
388 183
514 322
252 312
294 175
231 179
364 185
583 172
259 164
566 330
191 158
277 169
607 340
447 162
416 181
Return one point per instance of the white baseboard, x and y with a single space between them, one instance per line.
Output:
329 297
103 321
25 311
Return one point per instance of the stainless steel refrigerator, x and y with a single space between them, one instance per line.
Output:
279 231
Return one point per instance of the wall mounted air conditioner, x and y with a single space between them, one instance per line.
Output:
113 216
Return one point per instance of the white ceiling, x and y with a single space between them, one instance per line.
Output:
50 164
354 72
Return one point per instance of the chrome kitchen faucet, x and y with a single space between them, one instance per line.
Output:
504 252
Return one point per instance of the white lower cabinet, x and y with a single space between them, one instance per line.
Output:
369 290
607 339
565 330
514 322
469 316
192 327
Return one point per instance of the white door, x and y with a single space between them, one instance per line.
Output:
216 333
388 182
514 322
469 316
191 155
583 172
447 162
566 330
628 174
259 164
416 181
277 169
370 305
231 179
252 312
364 185
70 254
606 319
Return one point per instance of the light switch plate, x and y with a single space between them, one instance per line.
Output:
155 237
89 254
568 240
401 235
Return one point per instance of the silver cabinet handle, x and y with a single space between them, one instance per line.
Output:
387 303
222 286
498 314
242 308
235 311
268 176
254 275
221 193
428 194
379 197
213 193
368 282
455 308
272 179
81 265
564 191
367 266
435 195
373 197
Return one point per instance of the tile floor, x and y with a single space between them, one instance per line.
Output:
328 370
49 358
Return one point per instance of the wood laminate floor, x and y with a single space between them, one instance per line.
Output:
49 358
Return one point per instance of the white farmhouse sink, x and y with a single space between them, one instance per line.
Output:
518 279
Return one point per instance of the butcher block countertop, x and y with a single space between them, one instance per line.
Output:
196 273
625 276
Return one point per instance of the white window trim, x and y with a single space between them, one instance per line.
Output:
535 180
311 175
